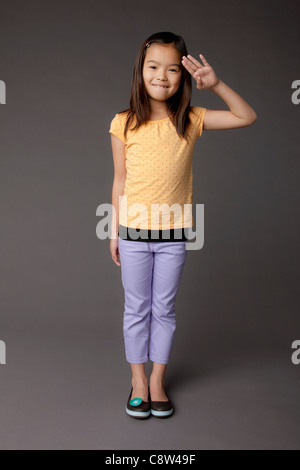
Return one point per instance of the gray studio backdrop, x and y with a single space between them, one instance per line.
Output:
67 66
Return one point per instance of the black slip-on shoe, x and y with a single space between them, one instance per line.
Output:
137 408
162 409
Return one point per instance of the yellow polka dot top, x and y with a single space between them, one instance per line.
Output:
159 178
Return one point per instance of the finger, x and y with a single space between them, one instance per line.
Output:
195 62
189 69
203 59
189 66
199 83
116 261
199 79
190 63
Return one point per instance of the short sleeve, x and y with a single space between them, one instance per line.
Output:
117 128
202 112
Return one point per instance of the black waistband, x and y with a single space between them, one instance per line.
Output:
174 235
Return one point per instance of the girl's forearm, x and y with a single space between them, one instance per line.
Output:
234 101
117 191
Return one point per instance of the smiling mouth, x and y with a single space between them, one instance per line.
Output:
160 86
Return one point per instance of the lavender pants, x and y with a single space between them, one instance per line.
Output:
151 274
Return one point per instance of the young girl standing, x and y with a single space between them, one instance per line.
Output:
152 145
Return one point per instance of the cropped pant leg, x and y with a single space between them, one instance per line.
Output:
136 269
169 261
151 274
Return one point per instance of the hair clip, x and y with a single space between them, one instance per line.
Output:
147 44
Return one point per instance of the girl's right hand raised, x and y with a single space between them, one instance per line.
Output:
114 249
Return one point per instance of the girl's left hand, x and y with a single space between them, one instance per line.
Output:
203 74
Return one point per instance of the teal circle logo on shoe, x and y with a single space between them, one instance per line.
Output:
135 401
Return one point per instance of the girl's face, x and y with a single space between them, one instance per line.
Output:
162 71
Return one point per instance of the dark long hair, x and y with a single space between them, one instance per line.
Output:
178 106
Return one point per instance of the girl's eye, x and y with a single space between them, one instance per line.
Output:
153 67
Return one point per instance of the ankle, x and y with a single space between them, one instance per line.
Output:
139 381
157 381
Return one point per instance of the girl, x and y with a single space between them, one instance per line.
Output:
152 144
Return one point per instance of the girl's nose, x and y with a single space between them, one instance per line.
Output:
162 76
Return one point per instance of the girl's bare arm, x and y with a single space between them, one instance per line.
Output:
240 115
118 149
